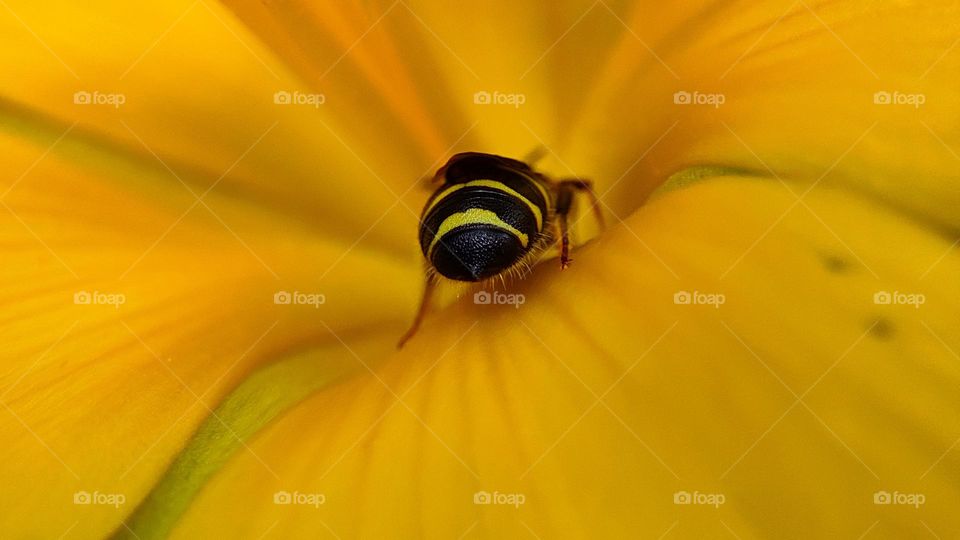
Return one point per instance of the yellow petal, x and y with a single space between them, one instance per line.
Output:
130 309
423 69
198 91
788 405
597 82
857 94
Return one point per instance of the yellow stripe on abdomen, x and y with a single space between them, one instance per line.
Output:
540 188
473 216
495 185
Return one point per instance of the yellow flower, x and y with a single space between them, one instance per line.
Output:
209 243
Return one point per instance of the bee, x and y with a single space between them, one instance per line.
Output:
492 216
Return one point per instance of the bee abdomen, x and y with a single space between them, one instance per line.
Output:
476 231
476 252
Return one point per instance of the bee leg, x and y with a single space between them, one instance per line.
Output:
535 155
585 186
428 287
565 190
563 205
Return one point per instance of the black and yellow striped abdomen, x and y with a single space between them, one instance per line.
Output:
487 216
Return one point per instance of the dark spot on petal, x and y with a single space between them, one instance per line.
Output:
881 328
835 263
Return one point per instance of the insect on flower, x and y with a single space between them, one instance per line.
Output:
490 217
